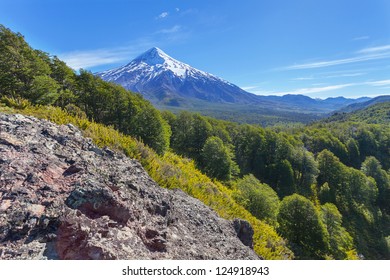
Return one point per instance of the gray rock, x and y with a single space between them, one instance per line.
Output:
61 197
244 231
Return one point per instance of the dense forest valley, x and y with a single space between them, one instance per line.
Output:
317 191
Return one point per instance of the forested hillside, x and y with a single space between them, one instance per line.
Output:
324 188
333 174
378 113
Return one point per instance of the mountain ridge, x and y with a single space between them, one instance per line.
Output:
367 103
161 78
174 85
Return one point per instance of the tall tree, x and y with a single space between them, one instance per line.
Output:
217 159
340 241
19 65
373 168
300 222
260 199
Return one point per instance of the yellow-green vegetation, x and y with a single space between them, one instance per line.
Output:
338 169
170 171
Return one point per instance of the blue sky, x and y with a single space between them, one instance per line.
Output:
320 48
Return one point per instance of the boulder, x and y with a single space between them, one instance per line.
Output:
62 197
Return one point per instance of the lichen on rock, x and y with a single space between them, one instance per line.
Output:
61 197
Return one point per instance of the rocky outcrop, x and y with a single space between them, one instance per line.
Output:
61 197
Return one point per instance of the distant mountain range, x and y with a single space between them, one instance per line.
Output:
169 83
362 105
375 112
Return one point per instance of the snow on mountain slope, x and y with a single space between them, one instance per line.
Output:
166 81
160 77
153 63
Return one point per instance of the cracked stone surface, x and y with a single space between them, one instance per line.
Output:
61 197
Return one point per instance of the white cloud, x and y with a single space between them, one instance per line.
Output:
361 38
328 76
91 58
303 79
380 83
257 90
345 75
384 48
328 63
249 87
309 91
174 29
306 91
177 10
367 54
162 15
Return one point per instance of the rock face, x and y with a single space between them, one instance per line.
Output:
61 197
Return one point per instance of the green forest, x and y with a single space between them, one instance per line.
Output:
318 191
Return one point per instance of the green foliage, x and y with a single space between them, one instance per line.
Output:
355 195
317 140
285 159
249 144
19 65
285 178
217 159
340 162
172 171
305 170
150 127
340 241
373 168
17 103
33 75
353 153
345 184
367 143
300 222
259 199
43 90
75 111
374 114
189 135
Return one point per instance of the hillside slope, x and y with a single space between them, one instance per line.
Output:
375 113
361 105
64 198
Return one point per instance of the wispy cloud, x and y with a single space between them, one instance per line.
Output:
367 54
162 15
87 59
361 38
303 79
306 91
91 58
249 87
310 91
328 76
380 83
328 63
345 75
174 29
257 90
384 48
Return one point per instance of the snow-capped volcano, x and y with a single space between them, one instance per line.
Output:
153 63
165 80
